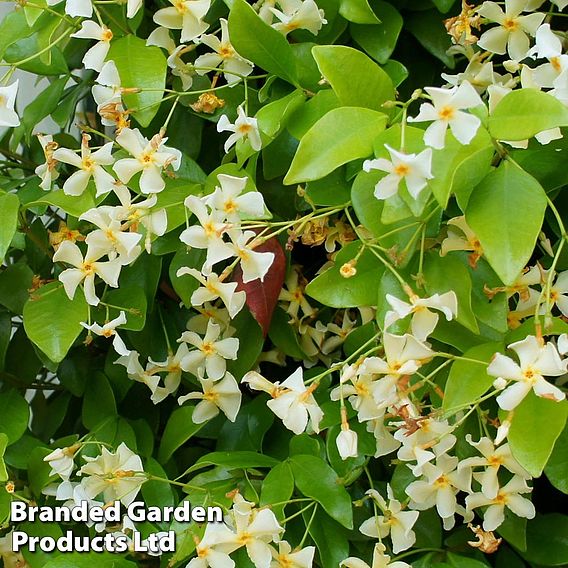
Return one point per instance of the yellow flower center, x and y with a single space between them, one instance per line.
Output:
208 348
106 35
402 170
88 164
555 62
446 112
511 25
226 51
87 268
442 481
244 128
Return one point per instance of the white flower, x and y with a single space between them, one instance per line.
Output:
110 235
395 521
212 288
548 46
229 199
47 172
114 474
298 14
96 55
414 169
132 7
217 395
493 459
83 8
216 535
285 558
365 394
537 360
509 496
137 373
184 15
233 65
295 404
8 116
208 234
254 264
257 382
107 89
172 366
90 165
211 353
439 487
244 128
150 158
423 320
380 560
61 461
85 270
512 33
346 442
446 110
109 330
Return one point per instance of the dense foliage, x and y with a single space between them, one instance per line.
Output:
304 260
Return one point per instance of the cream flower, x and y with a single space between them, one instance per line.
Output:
395 522
508 496
172 366
285 558
151 157
493 459
212 288
109 330
211 353
295 404
214 548
184 15
423 321
414 169
225 57
107 89
96 55
114 474
132 7
461 237
346 442
217 395
380 560
61 461
229 199
548 46
8 116
48 171
90 165
446 110
83 8
513 32
245 128
85 270
298 15
536 360
254 265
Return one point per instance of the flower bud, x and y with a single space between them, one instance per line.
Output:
347 443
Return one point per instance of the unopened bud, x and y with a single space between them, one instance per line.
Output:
511 66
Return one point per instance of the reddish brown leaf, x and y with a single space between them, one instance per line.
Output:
262 296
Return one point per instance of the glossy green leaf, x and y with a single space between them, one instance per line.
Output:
144 67
260 43
536 425
547 540
74 205
525 112
234 460
358 11
468 381
557 467
14 415
332 289
327 491
53 321
3 443
277 487
379 40
179 429
428 29
342 135
9 207
506 211
330 538
98 402
365 85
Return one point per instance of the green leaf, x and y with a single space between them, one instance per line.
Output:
506 211
131 300
379 40
327 491
557 467
446 273
525 112
98 401
427 27
468 380
142 66
273 117
88 560
311 111
262 44
3 444
358 11
75 205
365 85
186 284
547 540
234 460
277 487
14 415
342 135
9 208
332 289
536 425
284 336
514 530
179 429
330 538
459 561
15 282
52 320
